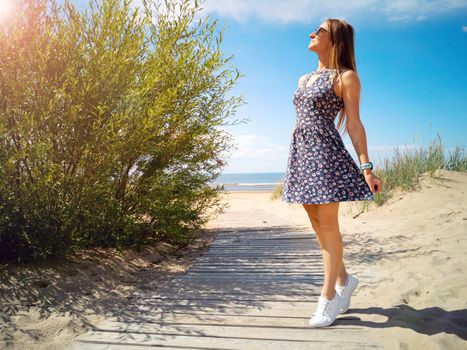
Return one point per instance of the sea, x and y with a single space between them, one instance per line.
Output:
249 181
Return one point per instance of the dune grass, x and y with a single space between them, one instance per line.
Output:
403 171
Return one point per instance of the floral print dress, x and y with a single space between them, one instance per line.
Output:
319 167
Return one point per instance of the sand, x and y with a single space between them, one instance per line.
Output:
46 305
409 255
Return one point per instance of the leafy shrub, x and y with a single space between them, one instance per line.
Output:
110 127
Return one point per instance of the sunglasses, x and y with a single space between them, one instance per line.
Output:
317 30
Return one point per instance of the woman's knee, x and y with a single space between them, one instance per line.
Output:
327 216
326 227
316 228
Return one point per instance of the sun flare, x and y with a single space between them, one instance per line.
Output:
5 8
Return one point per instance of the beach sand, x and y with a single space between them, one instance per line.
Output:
409 255
45 305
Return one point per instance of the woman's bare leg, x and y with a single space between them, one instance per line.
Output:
324 220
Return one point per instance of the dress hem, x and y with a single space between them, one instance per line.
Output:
339 200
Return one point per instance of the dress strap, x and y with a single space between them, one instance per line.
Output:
306 80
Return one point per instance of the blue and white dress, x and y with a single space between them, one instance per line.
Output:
319 167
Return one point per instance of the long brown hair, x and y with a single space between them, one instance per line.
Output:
342 54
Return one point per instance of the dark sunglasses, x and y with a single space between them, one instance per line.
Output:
317 30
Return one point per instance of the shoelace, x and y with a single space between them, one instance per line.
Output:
321 309
340 289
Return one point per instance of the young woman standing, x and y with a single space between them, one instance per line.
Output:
320 171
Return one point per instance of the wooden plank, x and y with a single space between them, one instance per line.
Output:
222 284
91 345
206 261
149 312
259 265
231 302
271 249
214 344
264 257
285 238
261 259
262 267
303 246
216 303
247 263
232 268
263 238
228 338
180 318
298 263
267 289
240 274
258 235
251 277
256 232
220 296
254 270
263 241
263 252
290 328
278 264
271 260
283 230
303 235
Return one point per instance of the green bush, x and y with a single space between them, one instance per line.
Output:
110 127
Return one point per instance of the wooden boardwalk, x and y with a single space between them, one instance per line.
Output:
251 290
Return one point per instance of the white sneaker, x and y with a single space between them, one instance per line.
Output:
346 291
326 311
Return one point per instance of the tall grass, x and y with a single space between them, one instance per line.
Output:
403 171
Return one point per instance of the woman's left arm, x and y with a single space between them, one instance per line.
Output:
356 130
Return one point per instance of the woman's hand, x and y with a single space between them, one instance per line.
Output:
374 182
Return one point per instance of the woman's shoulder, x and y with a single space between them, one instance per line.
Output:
346 71
347 74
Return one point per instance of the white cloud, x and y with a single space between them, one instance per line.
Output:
283 11
464 29
255 153
252 146
306 11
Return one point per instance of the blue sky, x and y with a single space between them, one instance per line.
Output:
411 59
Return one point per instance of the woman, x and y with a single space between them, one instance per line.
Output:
320 171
